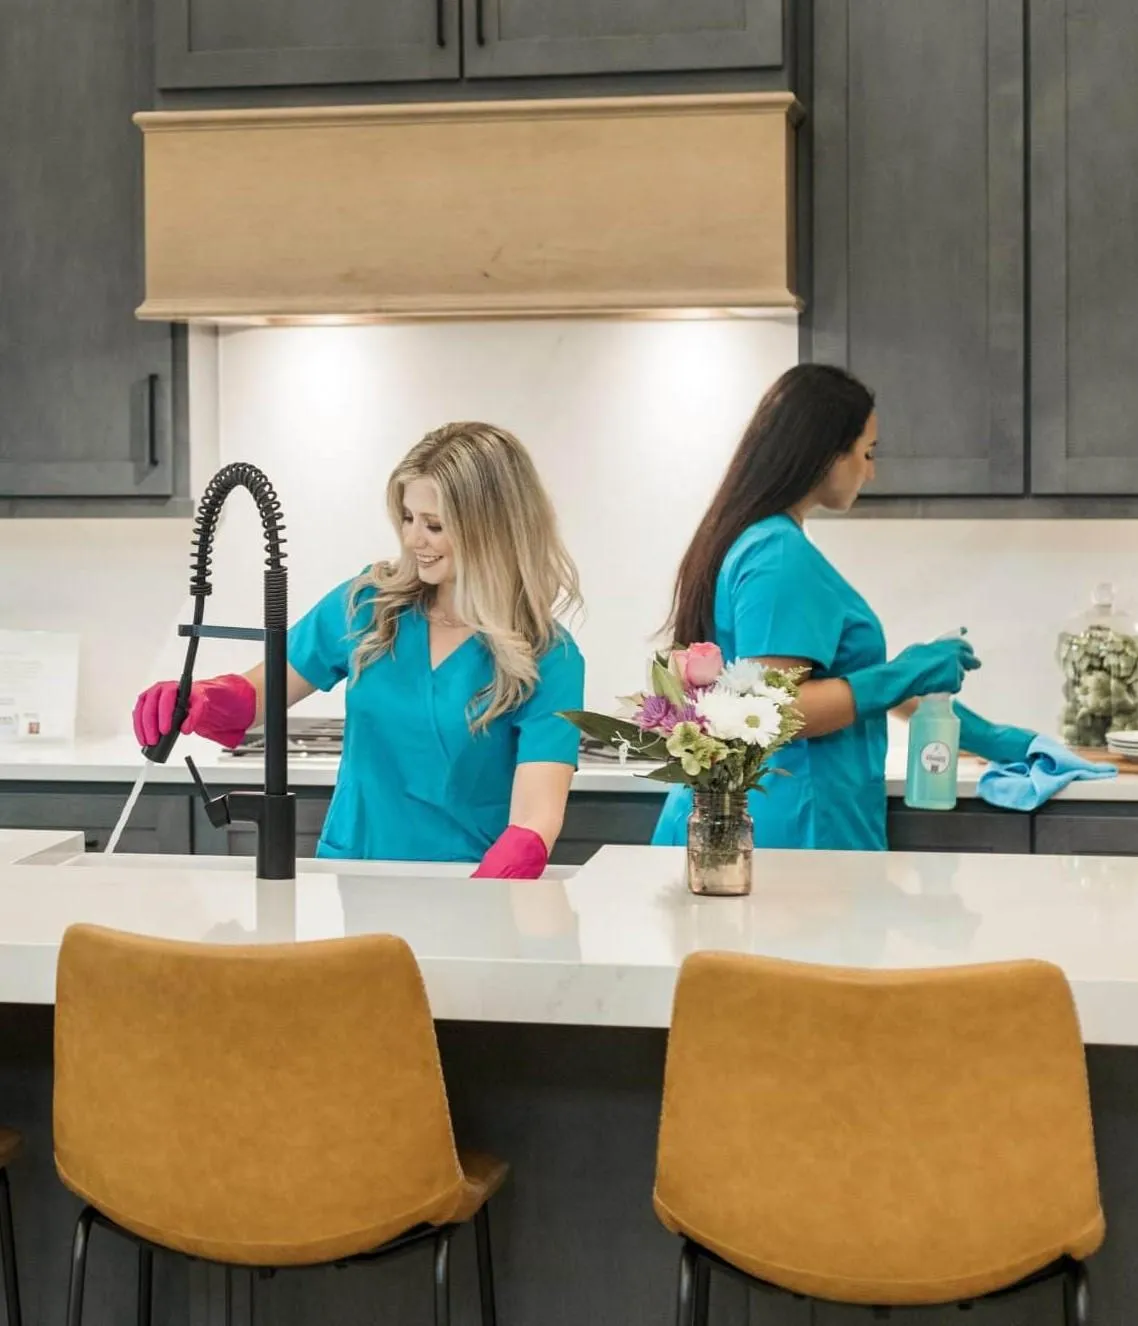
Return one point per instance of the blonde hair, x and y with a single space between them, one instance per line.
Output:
513 574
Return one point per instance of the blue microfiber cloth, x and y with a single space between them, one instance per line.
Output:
1049 768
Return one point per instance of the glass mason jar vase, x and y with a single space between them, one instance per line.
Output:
720 844
1098 653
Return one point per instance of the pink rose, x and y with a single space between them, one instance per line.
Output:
698 665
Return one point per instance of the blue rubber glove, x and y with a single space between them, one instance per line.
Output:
992 741
936 668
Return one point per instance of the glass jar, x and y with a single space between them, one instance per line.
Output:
1098 655
721 838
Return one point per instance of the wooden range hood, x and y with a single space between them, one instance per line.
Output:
600 206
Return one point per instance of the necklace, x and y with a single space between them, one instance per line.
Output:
437 615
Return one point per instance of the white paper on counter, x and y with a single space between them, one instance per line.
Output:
39 685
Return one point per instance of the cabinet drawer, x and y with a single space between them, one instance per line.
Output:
973 827
160 822
1099 830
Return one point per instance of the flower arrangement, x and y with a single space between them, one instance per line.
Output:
712 726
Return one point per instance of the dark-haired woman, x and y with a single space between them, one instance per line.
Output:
752 582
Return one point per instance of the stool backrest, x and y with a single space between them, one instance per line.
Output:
881 1137
256 1104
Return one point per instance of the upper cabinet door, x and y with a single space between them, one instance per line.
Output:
918 232
1084 247
537 38
260 43
85 388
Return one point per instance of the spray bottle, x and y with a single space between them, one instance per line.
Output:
934 749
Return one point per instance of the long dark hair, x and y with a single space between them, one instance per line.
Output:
812 415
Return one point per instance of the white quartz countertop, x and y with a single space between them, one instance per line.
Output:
600 945
117 760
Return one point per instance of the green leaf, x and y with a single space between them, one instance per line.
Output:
665 684
616 731
668 773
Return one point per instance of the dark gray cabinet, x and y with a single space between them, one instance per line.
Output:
265 43
918 232
971 827
160 821
170 819
593 819
85 389
540 38
259 43
1109 828
1084 247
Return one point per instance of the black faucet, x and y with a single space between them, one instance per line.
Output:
273 810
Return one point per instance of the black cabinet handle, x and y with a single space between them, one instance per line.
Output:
441 23
152 420
145 426
480 22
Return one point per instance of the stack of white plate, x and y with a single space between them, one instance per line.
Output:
1124 744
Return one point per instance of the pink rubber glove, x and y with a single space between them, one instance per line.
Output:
518 854
221 708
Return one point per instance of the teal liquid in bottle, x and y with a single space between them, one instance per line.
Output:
934 748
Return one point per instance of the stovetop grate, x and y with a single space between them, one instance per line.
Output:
314 737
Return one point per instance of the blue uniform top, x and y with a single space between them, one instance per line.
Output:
776 596
415 784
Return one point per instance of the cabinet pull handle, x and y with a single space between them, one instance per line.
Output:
441 23
480 22
152 420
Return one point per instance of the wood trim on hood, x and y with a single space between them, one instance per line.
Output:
588 206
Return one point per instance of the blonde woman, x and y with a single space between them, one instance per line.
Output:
455 668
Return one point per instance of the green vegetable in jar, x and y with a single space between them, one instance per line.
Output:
1100 683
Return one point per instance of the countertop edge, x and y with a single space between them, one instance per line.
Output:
117 761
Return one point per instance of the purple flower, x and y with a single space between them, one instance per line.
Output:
658 714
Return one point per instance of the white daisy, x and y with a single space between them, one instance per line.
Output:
743 677
754 719
747 677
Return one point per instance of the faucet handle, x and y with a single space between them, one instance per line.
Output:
216 808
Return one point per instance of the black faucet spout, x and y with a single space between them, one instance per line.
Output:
273 811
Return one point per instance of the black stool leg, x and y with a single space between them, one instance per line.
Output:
145 1284
8 1252
1076 1296
485 1267
229 1296
442 1277
686 1287
702 1293
79 1246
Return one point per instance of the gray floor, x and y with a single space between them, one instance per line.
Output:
576 1242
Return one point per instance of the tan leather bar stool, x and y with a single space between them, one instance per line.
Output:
11 1144
877 1137
258 1106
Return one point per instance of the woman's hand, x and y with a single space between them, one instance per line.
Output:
220 708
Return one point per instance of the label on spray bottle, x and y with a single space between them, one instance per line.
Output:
936 757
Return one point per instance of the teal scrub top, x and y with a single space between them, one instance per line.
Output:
776 596
415 784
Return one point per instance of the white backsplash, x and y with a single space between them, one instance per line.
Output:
630 425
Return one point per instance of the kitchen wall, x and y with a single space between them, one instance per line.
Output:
630 425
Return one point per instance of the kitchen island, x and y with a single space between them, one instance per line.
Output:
552 999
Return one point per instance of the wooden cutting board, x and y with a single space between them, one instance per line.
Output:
1099 755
